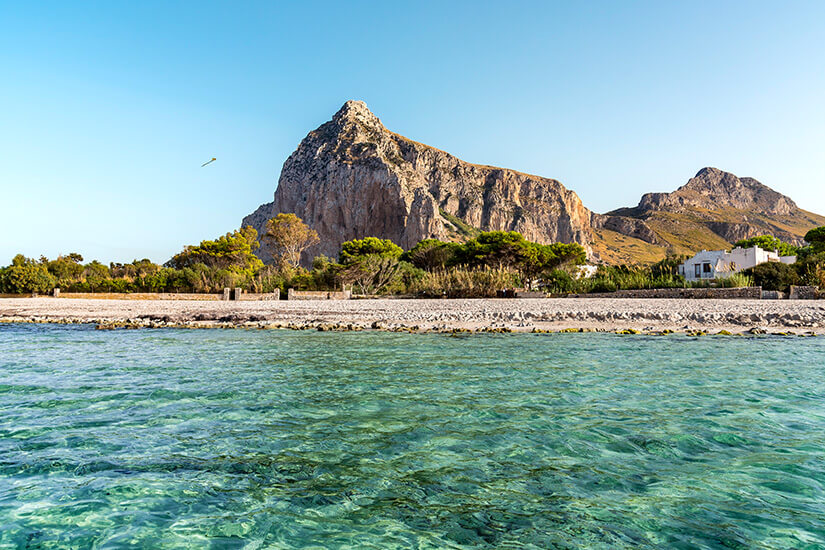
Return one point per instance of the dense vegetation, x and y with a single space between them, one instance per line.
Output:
769 242
485 264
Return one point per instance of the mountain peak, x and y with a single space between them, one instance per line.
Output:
711 181
712 189
709 171
355 111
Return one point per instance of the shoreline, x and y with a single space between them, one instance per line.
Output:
621 315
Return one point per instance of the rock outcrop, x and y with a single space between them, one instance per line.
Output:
714 189
353 178
632 227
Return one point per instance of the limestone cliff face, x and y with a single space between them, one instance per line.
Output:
353 178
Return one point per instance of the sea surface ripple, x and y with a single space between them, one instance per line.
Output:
278 439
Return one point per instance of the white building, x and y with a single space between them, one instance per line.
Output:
717 264
586 271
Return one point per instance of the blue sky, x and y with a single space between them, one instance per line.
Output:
110 108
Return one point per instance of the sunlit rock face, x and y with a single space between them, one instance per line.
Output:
353 178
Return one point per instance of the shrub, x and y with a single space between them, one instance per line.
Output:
773 276
371 273
462 282
736 280
811 270
559 281
602 284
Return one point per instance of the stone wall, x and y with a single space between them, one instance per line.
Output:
744 293
266 297
242 296
805 293
140 296
529 294
318 295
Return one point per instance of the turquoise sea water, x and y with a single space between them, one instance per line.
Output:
278 439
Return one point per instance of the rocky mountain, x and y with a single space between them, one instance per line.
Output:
353 178
711 211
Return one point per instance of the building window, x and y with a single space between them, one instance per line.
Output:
697 270
706 268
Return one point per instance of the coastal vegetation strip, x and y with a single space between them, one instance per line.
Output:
479 267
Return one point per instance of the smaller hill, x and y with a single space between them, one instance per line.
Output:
713 210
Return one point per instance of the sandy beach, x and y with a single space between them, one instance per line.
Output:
517 315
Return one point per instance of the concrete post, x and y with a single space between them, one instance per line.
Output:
56 293
290 294
226 294
238 292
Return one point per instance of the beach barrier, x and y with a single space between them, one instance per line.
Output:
293 294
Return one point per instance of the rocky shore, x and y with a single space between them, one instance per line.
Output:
499 315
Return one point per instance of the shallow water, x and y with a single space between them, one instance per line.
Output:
278 439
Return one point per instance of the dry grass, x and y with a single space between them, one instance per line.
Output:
615 248
465 283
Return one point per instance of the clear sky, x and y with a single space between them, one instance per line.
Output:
108 110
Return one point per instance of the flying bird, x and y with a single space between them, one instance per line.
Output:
208 162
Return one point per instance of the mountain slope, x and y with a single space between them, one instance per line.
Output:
711 211
353 178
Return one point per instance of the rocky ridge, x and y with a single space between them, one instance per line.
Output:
352 178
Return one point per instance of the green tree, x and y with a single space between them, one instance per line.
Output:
769 242
26 275
66 269
233 251
370 263
97 276
510 249
289 236
498 248
325 272
816 237
356 249
431 254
